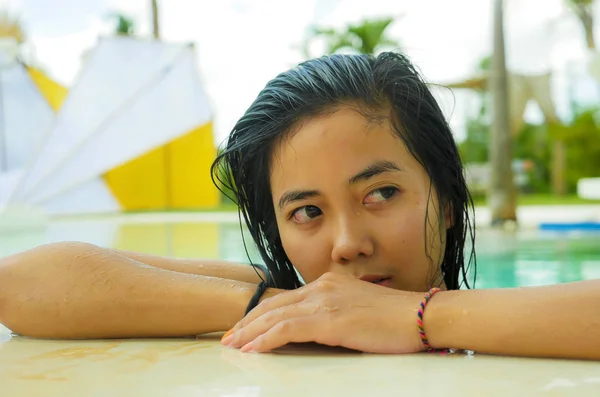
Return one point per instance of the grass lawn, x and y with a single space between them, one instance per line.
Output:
544 199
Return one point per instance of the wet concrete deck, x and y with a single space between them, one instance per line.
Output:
202 367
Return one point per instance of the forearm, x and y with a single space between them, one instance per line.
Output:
83 291
552 321
205 267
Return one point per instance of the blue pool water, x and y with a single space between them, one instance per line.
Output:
503 259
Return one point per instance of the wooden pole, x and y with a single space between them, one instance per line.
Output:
502 193
155 23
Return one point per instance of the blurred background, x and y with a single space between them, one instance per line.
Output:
111 113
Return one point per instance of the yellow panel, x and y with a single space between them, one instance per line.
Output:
140 183
175 176
53 92
191 157
147 238
179 240
195 240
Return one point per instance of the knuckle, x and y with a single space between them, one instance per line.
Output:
270 317
325 284
284 327
329 276
327 302
318 285
239 336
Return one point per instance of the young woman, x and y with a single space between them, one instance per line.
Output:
351 185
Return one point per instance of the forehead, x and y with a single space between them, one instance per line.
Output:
336 146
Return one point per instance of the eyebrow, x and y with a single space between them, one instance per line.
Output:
376 168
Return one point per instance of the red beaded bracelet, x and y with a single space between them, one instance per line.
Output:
424 302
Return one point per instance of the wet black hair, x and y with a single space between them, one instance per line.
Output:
387 82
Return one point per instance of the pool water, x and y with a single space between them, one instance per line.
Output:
503 259
536 258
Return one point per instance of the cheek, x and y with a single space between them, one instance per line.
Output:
402 235
409 240
310 255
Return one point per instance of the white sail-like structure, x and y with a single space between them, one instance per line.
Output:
136 109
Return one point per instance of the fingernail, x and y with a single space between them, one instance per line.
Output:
227 338
247 347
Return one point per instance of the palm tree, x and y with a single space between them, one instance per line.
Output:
584 11
502 192
367 37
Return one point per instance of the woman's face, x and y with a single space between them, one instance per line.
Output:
349 198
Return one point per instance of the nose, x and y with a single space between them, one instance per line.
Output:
351 241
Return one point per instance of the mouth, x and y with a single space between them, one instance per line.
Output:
384 281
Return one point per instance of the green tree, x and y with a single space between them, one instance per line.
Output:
367 37
533 144
124 25
582 143
475 147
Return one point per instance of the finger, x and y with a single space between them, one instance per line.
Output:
265 322
284 299
295 330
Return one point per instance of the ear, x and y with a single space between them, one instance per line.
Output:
448 215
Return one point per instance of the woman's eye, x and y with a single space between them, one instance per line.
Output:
306 213
381 194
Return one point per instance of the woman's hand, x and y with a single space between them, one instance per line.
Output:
334 310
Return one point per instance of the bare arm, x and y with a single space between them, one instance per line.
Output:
204 267
78 290
551 321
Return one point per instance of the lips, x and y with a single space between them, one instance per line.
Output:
378 279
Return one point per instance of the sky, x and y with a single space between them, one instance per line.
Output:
241 44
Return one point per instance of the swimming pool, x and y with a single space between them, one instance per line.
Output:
504 259
188 366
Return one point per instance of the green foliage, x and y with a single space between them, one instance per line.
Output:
531 145
584 10
474 149
124 25
580 3
485 64
367 37
582 141
534 143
